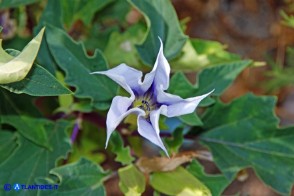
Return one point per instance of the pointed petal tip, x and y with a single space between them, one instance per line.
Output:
96 72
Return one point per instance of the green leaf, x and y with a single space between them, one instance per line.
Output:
88 144
198 54
121 47
246 135
71 57
213 51
123 154
215 183
38 82
15 3
162 22
178 182
131 181
176 141
17 104
82 9
80 178
218 78
33 129
13 69
116 12
7 144
52 14
191 119
29 160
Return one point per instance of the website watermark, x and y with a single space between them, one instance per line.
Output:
19 187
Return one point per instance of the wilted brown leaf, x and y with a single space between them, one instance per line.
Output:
148 165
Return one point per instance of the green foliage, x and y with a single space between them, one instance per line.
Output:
198 54
52 14
287 20
13 69
250 138
281 75
191 119
32 129
80 178
215 183
71 57
121 47
176 141
31 160
37 109
82 9
38 82
8 144
15 3
218 78
132 181
178 182
123 154
162 23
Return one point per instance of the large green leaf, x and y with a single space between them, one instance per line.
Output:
123 154
17 104
7 144
38 82
71 57
131 181
218 78
13 69
33 129
52 14
162 22
30 161
80 178
215 183
178 182
82 9
246 135
15 3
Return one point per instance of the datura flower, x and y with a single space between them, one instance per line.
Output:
147 100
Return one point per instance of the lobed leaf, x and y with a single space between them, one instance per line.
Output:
246 135
123 154
215 183
80 178
31 160
162 22
73 60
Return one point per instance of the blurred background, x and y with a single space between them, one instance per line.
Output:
261 30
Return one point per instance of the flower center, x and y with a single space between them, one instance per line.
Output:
145 103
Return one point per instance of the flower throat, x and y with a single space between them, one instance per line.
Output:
145 103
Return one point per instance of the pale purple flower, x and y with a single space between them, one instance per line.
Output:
148 99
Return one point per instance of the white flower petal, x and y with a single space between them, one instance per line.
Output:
127 77
159 76
117 112
150 131
176 106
